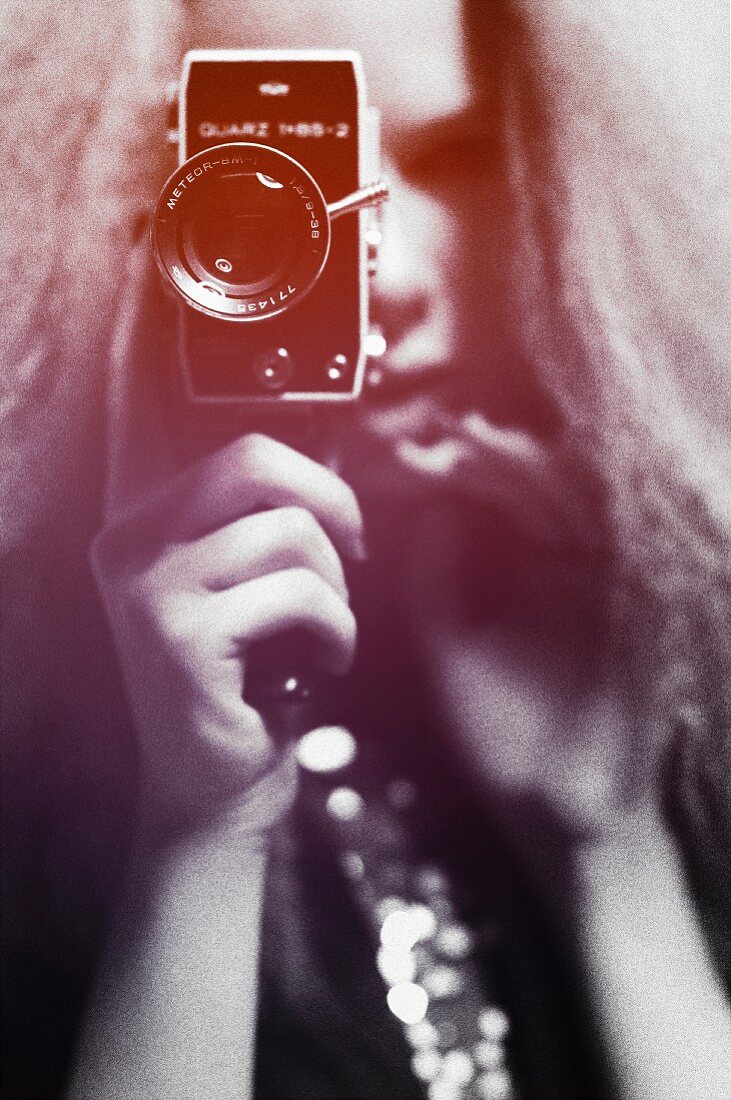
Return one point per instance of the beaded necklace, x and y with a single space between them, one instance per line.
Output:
426 956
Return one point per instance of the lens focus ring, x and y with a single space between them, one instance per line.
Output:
241 231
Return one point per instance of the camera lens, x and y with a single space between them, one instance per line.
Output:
244 232
241 231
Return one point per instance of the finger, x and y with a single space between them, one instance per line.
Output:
255 473
266 542
280 602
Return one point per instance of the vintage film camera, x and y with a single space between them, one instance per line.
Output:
275 147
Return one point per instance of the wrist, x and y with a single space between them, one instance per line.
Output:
167 826
209 863
634 863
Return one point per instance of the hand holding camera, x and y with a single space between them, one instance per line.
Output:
242 546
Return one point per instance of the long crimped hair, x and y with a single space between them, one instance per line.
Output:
621 299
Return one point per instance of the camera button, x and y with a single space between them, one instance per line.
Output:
336 368
273 369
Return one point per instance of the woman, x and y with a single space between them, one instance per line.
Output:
545 284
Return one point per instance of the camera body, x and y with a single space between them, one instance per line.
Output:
272 289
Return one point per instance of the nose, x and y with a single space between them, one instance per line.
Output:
410 292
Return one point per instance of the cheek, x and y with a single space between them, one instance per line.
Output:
481 251
419 234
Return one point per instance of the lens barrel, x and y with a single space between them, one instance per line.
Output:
241 231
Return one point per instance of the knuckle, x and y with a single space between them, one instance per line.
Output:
345 499
254 450
321 606
178 624
309 590
302 527
157 595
